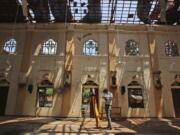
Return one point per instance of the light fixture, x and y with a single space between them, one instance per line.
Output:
123 90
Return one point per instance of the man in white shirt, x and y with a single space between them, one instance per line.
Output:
108 105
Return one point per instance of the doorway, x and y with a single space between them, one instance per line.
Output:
88 92
176 101
3 99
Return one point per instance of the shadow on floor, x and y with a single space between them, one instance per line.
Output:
52 126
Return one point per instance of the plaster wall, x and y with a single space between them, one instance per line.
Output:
29 64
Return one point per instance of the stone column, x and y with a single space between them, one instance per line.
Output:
24 70
157 93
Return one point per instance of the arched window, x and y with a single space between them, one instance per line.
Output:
171 48
131 48
90 48
49 47
10 46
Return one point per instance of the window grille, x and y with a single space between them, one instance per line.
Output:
171 48
131 48
90 48
49 47
10 46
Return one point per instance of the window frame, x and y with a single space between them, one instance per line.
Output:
171 48
136 45
48 45
90 53
8 45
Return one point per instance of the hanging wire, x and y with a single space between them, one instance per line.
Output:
113 11
108 10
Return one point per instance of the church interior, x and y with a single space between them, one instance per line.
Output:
53 53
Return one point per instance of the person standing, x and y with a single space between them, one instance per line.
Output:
108 96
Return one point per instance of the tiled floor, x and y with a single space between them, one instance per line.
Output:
74 126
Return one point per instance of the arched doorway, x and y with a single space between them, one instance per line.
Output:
4 89
89 89
175 88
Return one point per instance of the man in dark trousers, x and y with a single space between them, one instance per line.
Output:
108 106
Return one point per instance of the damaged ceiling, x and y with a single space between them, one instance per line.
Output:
91 11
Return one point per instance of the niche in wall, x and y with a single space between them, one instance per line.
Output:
4 89
113 79
67 79
4 82
176 80
123 90
157 79
175 90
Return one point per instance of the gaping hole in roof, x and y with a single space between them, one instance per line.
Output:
90 11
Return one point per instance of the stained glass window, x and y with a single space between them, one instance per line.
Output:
49 47
131 48
10 46
90 48
171 48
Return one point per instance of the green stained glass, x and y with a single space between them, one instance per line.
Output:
49 91
131 48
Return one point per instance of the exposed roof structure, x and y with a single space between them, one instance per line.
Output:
91 11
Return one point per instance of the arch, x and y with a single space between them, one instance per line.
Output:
135 81
131 48
175 91
90 48
4 89
49 47
176 81
10 46
4 82
171 48
90 83
46 82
